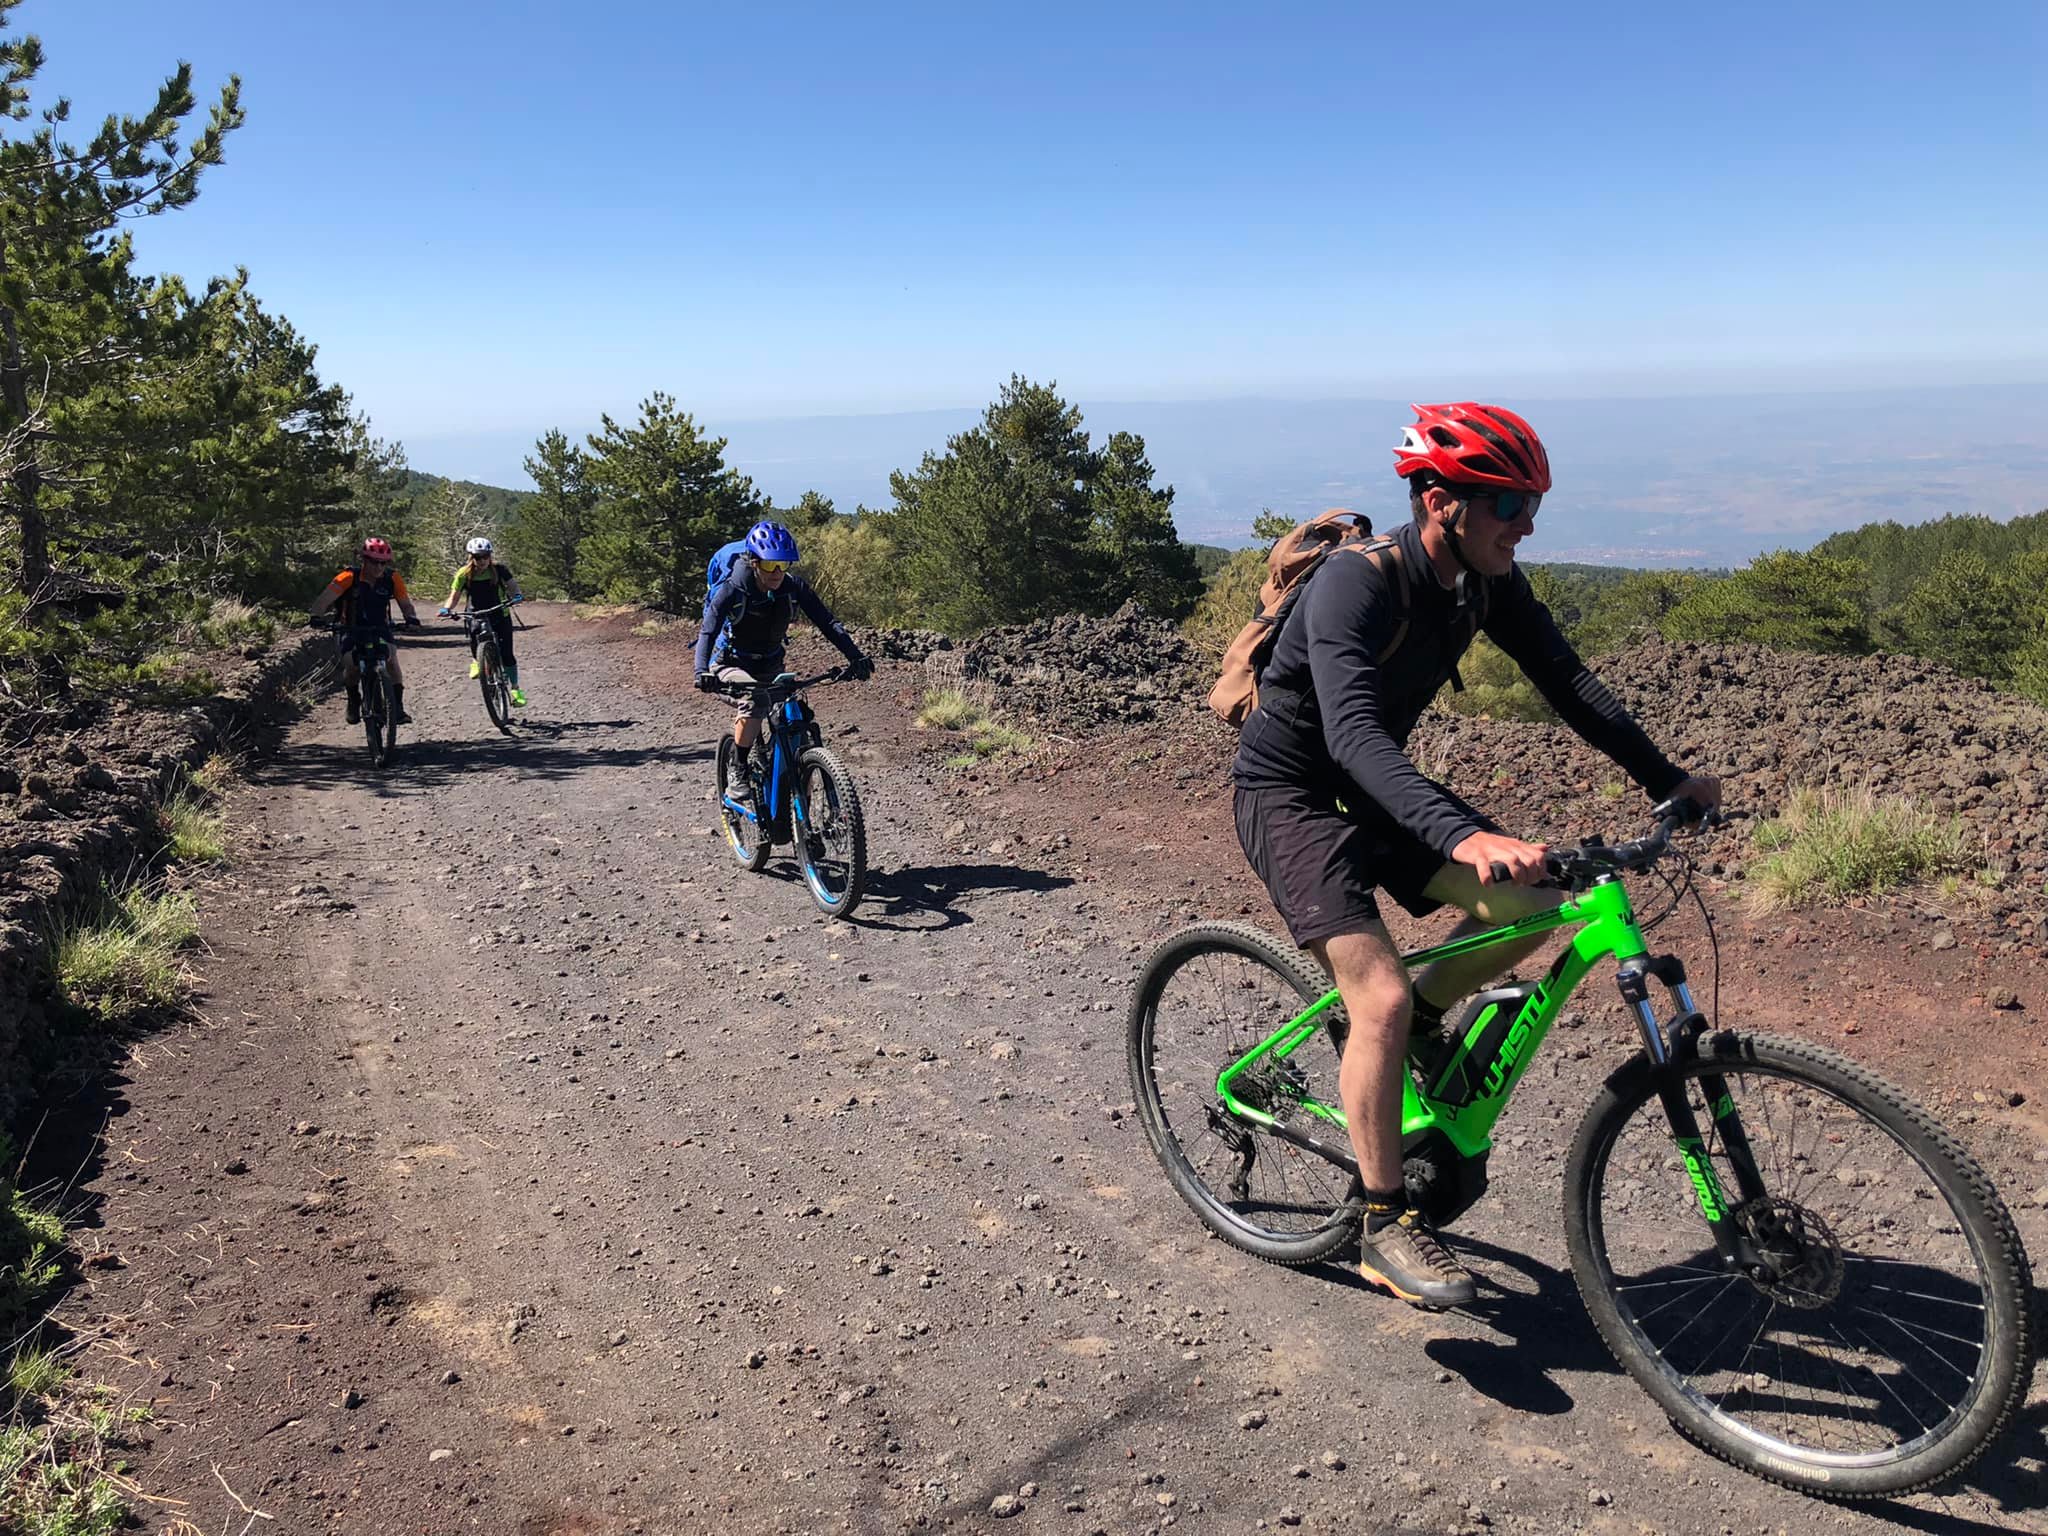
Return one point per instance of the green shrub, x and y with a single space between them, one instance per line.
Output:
854 567
43 1492
1494 687
1229 601
230 622
960 713
1788 600
949 709
1831 845
193 830
30 1240
122 960
37 1372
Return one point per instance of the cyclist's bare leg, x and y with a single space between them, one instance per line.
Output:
746 725
1369 975
1486 906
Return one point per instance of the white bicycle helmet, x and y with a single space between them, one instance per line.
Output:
479 546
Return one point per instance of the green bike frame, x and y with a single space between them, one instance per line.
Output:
1607 927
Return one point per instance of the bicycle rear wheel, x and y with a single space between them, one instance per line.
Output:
1883 1340
1208 996
747 836
831 838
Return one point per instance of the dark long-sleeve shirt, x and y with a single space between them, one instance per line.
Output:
747 623
1330 715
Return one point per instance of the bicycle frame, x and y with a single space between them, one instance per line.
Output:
780 794
367 654
1607 927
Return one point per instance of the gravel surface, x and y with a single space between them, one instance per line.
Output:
535 1169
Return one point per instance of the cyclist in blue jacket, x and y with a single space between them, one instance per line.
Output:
746 628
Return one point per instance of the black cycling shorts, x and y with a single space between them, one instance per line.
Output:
1322 865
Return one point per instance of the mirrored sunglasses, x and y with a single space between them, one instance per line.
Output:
1506 506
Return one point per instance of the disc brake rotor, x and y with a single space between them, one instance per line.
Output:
1799 1257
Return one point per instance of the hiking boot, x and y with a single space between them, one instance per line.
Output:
476 670
739 780
1404 1257
355 711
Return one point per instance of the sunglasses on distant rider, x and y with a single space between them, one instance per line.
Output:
1506 506
771 567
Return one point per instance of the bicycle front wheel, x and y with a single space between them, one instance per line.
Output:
497 691
390 692
370 703
1881 1340
831 837
1209 995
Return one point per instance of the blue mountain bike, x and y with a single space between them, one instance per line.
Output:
801 794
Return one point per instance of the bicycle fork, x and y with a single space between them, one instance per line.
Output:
1671 1048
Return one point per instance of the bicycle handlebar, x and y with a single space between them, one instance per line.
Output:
783 684
1580 866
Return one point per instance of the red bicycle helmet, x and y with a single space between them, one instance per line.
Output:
1474 444
376 549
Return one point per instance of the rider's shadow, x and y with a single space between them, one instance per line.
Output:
935 892
1539 1325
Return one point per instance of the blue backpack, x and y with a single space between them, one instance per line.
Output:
722 561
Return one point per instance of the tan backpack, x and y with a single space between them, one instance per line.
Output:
1296 557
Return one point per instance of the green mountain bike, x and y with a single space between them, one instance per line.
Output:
1810 1276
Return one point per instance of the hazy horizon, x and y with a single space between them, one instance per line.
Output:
1641 480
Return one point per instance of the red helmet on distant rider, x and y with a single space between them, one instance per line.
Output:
376 549
1472 444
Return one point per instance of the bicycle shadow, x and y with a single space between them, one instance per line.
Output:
937 891
1540 1329
422 767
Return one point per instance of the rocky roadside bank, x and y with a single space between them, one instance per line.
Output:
78 806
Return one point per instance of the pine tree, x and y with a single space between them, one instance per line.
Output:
72 313
548 530
665 501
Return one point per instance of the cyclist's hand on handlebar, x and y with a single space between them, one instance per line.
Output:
1703 790
860 669
445 613
707 682
1500 859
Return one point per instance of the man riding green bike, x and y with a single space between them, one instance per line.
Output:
1330 808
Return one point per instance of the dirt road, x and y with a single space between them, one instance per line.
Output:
537 1170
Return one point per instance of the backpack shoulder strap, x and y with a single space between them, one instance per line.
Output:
1385 554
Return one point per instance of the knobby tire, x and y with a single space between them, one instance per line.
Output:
825 784
1330 1215
1857 1308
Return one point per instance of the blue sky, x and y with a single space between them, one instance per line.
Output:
497 218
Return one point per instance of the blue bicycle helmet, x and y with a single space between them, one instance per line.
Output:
771 541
